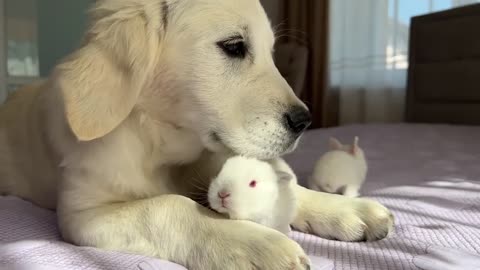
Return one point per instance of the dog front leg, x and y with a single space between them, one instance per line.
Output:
175 228
339 217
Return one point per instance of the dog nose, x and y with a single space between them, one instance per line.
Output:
223 194
298 119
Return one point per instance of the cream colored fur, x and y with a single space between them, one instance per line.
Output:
341 170
270 201
110 139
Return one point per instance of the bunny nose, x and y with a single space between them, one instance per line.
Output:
222 194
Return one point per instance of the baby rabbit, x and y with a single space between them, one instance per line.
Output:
342 170
250 189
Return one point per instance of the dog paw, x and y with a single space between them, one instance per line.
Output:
342 218
361 220
378 219
253 247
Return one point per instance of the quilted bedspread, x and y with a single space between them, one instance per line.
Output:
428 175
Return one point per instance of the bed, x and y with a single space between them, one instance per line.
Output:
427 174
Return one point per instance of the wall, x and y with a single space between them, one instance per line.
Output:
61 24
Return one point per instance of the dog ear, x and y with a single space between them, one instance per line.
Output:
101 82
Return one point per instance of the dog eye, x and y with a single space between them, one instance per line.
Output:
253 184
233 48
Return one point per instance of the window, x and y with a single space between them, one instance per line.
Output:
400 12
368 61
21 38
34 35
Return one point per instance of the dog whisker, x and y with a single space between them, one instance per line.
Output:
202 194
199 188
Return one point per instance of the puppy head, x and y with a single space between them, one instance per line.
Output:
243 102
204 65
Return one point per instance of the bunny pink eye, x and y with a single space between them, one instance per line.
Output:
253 183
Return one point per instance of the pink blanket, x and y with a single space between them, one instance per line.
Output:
428 175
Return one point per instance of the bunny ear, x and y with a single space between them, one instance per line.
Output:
354 149
335 144
284 176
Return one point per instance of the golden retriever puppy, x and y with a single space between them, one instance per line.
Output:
158 87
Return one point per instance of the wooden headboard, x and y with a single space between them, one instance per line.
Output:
444 72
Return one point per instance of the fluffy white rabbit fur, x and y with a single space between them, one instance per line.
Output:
342 170
250 189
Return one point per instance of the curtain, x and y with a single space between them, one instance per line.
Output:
368 58
305 22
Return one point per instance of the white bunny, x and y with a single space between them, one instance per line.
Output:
342 170
250 189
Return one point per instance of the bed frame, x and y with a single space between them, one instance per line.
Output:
444 72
